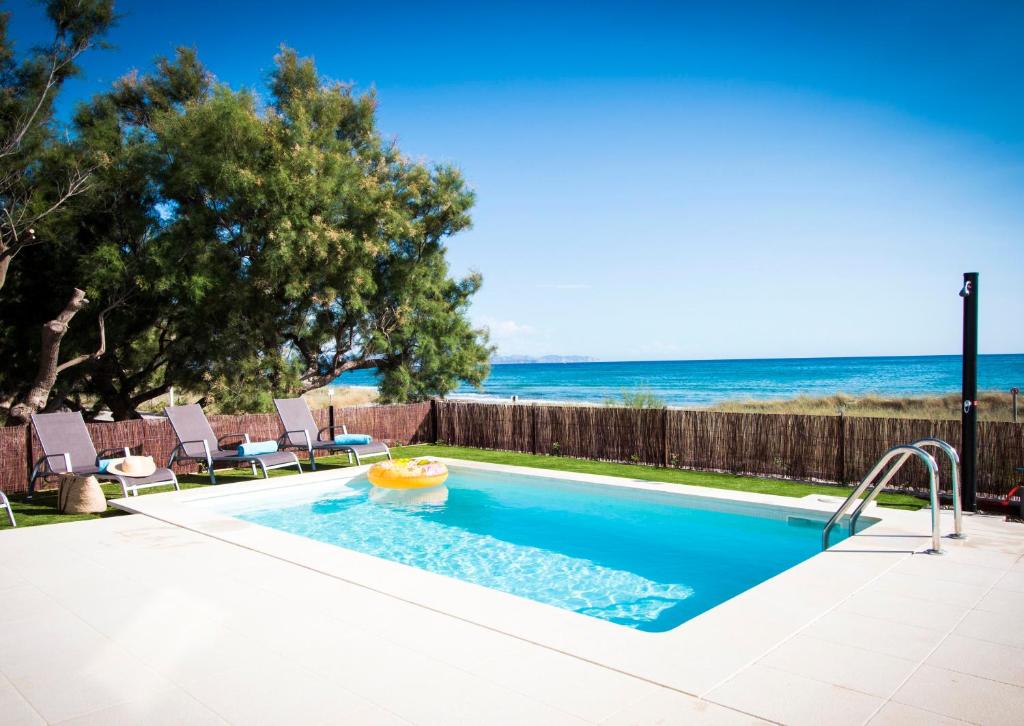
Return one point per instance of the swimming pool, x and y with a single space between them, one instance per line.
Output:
643 559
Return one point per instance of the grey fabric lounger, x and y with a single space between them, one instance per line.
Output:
299 428
68 449
197 442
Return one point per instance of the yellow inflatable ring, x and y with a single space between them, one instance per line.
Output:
408 474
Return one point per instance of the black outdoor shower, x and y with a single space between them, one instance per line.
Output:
969 396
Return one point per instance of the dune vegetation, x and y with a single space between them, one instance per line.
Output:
992 406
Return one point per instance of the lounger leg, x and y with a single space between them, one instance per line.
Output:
253 465
266 474
213 477
6 504
312 460
177 487
357 458
350 457
32 481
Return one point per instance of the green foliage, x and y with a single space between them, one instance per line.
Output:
250 249
636 398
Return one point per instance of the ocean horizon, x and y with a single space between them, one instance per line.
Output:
707 382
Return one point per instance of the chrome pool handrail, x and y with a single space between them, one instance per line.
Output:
954 481
905 451
954 462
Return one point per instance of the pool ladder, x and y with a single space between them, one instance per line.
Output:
873 485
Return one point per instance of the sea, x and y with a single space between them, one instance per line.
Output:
706 382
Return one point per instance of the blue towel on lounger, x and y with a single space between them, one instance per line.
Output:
352 439
252 448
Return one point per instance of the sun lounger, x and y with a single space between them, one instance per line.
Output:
68 449
197 442
301 432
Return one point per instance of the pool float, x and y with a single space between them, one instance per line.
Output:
421 473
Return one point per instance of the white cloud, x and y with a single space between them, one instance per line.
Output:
508 328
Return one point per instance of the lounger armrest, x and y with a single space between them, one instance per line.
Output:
181 447
287 441
65 457
244 436
105 454
330 430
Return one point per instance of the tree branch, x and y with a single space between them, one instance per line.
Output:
53 333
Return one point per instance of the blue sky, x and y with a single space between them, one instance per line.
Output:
674 180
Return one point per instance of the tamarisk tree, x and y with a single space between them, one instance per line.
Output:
261 245
39 172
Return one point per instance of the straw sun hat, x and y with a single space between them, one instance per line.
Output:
132 466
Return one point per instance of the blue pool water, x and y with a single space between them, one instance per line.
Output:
705 382
646 560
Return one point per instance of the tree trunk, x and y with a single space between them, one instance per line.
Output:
5 263
53 333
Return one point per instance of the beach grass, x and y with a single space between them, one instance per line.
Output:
42 509
992 406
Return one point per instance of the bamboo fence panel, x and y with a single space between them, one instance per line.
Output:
491 426
13 459
608 434
796 447
834 449
395 425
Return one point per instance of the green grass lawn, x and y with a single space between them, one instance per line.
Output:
42 509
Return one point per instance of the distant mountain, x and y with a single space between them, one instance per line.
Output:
506 359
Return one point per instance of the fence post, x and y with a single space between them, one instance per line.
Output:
28 452
841 447
533 429
664 437
433 421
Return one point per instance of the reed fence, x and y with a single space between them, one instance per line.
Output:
835 449
395 425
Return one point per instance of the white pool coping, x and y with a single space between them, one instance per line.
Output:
691 658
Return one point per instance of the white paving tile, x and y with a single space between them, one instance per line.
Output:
368 715
671 708
905 610
963 696
70 690
899 714
14 709
870 672
980 658
928 588
993 628
791 699
165 708
1004 602
270 691
862 631
1013 580
946 567
589 691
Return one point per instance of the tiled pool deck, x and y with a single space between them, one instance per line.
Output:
137 620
